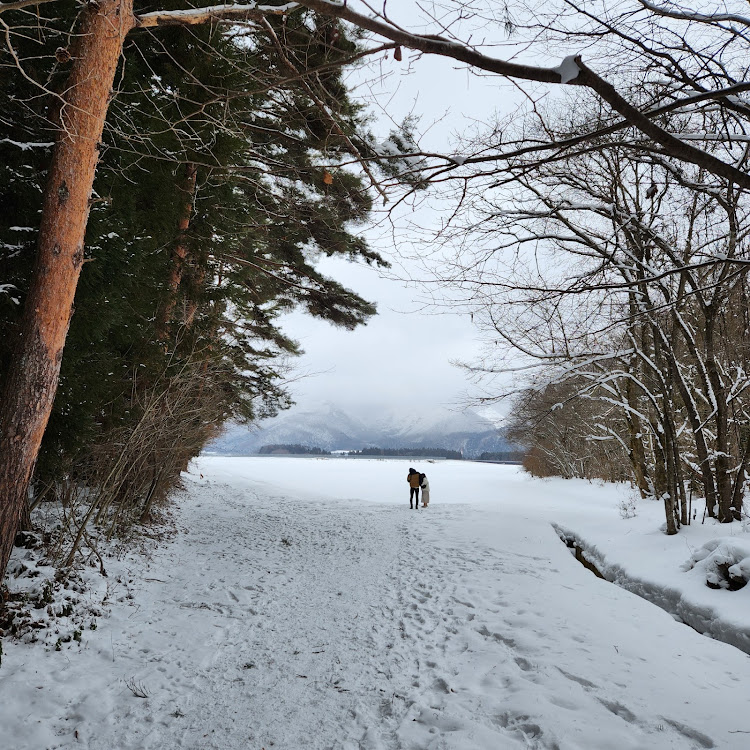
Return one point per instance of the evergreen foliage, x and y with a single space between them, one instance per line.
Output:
179 301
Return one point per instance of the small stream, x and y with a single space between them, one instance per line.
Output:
572 544
701 619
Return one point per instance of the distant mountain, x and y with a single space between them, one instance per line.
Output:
331 428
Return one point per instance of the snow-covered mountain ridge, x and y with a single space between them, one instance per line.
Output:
331 428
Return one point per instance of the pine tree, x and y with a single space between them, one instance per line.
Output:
269 193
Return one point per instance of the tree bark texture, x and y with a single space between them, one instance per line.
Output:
721 461
179 255
637 454
33 375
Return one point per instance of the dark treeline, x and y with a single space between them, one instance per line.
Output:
514 456
293 449
430 452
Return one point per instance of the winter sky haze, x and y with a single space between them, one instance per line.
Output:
403 357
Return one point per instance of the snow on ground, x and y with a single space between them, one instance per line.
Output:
304 606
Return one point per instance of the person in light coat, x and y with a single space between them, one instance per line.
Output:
425 485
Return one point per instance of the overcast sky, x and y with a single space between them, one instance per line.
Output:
402 358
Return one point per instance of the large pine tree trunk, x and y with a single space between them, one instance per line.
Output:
32 379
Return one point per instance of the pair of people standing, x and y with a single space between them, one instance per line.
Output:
416 482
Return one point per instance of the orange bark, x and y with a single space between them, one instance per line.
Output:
33 375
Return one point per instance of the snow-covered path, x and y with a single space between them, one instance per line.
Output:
274 621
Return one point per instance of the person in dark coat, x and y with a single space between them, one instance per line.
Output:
413 479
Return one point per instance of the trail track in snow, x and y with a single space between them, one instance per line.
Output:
273 622
316 626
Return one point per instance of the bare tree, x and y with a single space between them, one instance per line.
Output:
613 276
683 61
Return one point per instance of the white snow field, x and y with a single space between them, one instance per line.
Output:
304 606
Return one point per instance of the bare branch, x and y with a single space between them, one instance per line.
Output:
571 72
435 45
22 4
689 15
194 16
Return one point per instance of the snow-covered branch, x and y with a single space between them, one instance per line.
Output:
689 15
572 71
224 12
